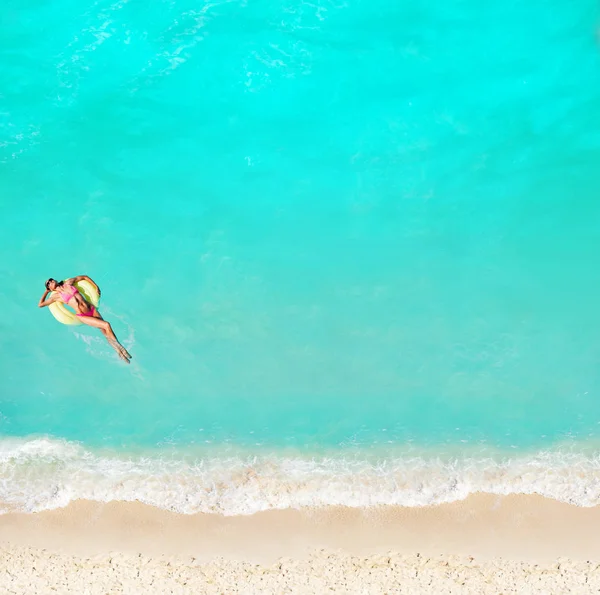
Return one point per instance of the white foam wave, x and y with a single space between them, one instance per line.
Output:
44 473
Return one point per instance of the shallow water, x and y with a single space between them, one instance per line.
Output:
329 233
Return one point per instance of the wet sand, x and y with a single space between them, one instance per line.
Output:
483 544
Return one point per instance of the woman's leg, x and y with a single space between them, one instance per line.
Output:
98 322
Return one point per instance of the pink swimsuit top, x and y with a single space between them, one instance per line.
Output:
67 293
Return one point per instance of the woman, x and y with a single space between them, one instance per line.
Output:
66 292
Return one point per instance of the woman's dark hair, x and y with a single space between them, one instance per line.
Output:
55 281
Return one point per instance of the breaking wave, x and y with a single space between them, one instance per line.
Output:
44 473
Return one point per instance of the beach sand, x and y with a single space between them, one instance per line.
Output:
485 544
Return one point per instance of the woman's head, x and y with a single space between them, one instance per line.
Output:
52 284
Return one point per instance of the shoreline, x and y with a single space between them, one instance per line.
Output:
46 473
484 544
518 527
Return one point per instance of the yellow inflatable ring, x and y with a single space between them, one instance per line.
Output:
66 316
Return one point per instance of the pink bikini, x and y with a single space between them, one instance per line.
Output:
68 292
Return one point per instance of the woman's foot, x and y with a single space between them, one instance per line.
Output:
123 356
121 351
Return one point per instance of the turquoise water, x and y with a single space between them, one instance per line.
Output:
348 244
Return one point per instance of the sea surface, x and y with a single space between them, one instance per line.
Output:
353 248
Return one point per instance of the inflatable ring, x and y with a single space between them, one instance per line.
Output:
66 316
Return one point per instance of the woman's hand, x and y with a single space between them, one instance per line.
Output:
95 285
85 278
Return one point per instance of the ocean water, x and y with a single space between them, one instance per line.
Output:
352 246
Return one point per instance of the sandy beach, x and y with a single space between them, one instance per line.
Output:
485 544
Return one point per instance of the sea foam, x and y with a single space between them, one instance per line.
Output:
43 473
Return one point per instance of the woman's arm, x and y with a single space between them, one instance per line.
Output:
83 278
43 303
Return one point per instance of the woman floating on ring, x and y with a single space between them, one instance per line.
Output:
67 293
